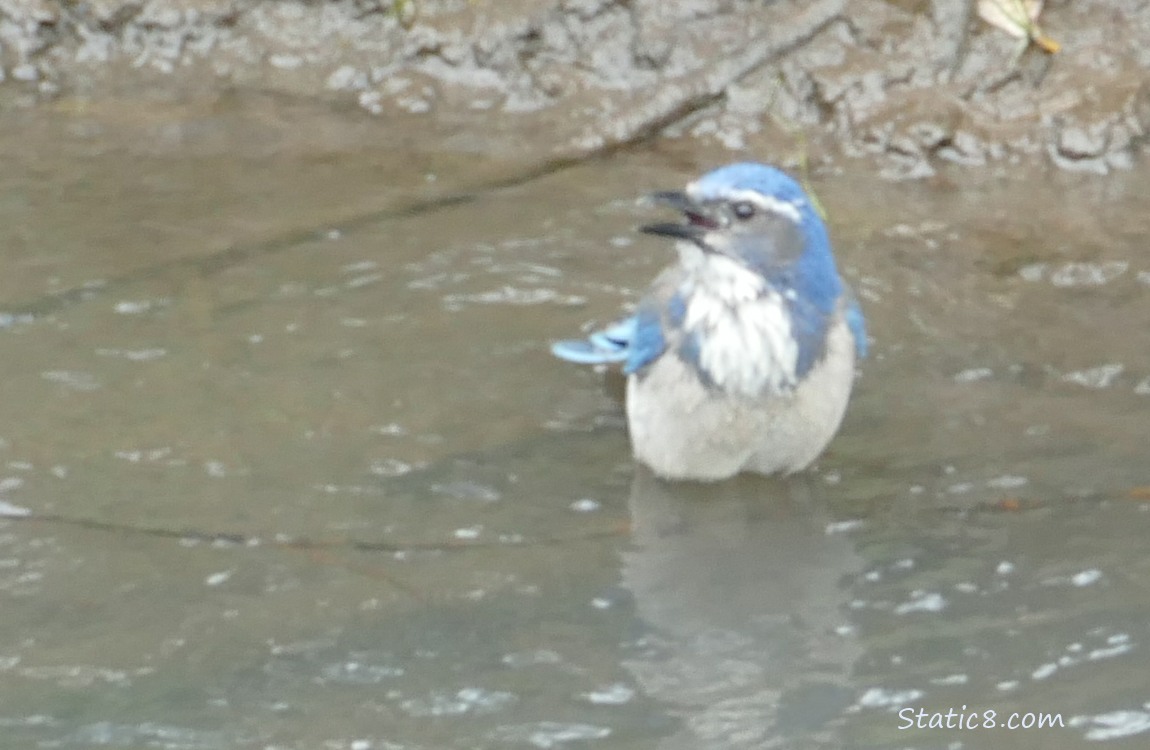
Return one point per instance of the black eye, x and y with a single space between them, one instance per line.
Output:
743 210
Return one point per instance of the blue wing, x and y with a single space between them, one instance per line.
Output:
635 341
857 324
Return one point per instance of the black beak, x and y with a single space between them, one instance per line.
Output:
678 231
699 220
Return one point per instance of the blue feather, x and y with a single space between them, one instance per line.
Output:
600 348
749 175
676 310
734 385
857 324
808 328
814 290
637 341
648 341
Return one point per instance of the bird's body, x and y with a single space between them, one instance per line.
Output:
741 356
683 429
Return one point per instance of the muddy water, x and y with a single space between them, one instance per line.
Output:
302 474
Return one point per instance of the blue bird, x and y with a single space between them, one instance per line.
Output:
741 356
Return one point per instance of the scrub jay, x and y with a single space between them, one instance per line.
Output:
741 356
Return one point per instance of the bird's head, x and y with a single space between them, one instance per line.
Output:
759 217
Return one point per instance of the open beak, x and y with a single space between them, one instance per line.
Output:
699 218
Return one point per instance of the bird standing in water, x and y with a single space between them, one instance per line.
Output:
741 356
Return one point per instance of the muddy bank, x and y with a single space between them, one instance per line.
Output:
912 83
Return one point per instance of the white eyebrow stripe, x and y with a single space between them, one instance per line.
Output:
767 203
789 209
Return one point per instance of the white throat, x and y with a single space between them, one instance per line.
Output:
741 324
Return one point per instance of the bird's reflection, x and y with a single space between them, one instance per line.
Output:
742 588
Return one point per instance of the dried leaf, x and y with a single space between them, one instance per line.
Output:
1045 43
1019 18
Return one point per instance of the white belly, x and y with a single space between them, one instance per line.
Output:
683 430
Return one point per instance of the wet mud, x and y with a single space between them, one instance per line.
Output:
910 84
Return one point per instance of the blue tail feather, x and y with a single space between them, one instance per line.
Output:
583 352
608 346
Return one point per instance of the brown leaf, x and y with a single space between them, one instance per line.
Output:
1019 18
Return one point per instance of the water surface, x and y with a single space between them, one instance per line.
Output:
302 473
